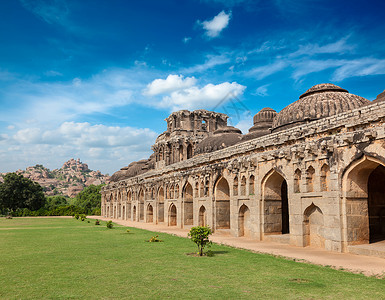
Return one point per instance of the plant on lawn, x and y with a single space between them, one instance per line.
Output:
109 225
97 222
154 239
200 236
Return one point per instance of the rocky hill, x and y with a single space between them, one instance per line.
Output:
69 180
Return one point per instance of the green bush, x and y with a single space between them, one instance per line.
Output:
97 222
154 239
110 225
200 236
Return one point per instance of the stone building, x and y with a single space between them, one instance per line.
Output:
310 175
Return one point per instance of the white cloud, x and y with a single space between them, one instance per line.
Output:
206 97
262 90
107 147
267 70
170 84
214 26
339 47
186 40
360 67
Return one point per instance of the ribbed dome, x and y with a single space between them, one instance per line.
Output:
221 138
263 121
133 169
320 101
380 97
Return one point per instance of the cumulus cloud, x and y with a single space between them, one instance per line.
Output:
214 26
206 97
109 147
170 84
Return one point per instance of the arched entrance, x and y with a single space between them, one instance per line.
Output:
161 205
222 204
134 218
141 205
202 216
172 215
313 227
276 206
188 205
244 224
365 201
149 214
124 212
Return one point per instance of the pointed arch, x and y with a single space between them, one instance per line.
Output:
297 181
310 179
324 178
222 203
160 204
243 186
313 227
251 185
188 208
276 204
149 214
244 224
189 151
134 214
202 216
141 204
364 185
172 215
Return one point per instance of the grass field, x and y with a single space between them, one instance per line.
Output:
68 259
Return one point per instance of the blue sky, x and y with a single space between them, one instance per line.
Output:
95 79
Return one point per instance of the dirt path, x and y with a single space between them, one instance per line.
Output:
368 265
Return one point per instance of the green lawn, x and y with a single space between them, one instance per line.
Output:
67 258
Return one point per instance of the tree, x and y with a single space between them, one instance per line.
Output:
53 202
89 198
19 192
200 236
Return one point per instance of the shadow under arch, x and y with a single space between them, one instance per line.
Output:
202 216
275 203
149 214
363 185
160 203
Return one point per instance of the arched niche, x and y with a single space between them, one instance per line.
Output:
313 227
244 224
222 204
172 215
188 215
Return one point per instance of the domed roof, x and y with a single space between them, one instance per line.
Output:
133 169
320 101
380 97
221 138
263 121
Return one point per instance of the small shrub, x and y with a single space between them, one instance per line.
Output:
200 236
97 222
110 225
76 216
83 217
89 221
155 239
128 230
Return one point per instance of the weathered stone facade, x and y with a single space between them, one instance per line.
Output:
316 177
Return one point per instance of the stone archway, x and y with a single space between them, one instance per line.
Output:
161 205
364 183
313 227
124 212
276 204
149 214
141 205
134 217
188 215
222 204
202 216
172 215
244 224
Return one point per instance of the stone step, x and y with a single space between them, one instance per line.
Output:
375 249
277 238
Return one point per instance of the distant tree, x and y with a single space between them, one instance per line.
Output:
53 202
89 198
18 192
200 236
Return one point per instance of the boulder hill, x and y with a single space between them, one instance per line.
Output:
69 180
